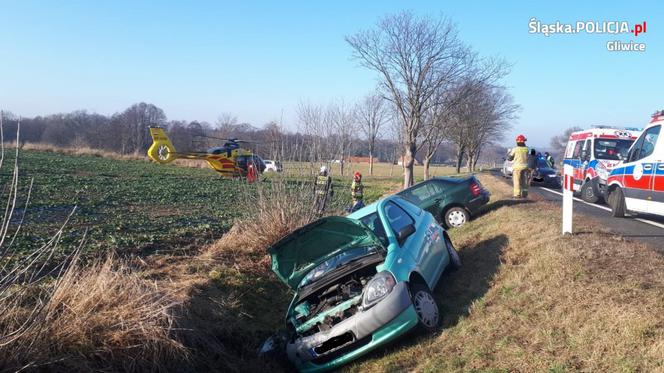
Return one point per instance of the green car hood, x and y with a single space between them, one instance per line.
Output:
299 252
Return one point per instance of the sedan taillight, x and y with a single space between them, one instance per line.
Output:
475 189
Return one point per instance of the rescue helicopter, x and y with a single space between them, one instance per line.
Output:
229 160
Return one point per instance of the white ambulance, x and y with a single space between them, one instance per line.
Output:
637 183
595 150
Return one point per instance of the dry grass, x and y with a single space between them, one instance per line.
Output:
530 300
101 316
61 315
239 302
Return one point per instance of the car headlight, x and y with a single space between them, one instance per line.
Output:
552 175
379 286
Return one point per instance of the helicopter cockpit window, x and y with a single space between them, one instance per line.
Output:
241 161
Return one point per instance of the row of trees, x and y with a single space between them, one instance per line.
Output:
125 132
438 88
323 133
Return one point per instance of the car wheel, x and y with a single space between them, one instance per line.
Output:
428 316
588 193
617 202
455 217
455 260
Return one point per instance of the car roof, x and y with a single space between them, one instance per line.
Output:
373 207
444 179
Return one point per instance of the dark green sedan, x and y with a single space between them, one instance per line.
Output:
451 200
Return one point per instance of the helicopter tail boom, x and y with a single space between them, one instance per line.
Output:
161 150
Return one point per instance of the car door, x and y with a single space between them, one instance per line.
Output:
640 171
658 186
651 167
438 198
430 196
419 195
416 245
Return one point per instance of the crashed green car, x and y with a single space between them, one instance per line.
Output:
360 281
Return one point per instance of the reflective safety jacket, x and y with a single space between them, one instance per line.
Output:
550 160
519 157
323 184
357 190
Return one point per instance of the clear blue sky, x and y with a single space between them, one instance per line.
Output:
253 59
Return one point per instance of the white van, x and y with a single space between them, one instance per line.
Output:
637 183
592 151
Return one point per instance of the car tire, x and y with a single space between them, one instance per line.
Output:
588 193
428 316
617 203
455 217
455 259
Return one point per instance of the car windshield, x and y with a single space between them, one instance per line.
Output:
373 222
611 149
542 163
336 262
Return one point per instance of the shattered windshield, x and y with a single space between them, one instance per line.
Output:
336 262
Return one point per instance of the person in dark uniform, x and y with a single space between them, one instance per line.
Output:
322 190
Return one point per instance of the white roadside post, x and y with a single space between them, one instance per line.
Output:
568 197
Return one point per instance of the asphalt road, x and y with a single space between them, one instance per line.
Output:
647 229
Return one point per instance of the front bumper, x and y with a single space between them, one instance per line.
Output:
355 335
547 180
601 188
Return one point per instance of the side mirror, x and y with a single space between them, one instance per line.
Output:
405 232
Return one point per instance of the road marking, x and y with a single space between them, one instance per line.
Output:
650 222
658 225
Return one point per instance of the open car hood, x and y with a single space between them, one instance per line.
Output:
299 252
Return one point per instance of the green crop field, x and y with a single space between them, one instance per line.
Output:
133 207
124 205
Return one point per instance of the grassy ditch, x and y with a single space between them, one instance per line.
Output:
528 299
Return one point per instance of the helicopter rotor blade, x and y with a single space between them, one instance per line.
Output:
227 139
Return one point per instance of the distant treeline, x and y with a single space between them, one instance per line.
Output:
126 132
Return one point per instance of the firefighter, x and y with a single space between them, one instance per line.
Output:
322 190
519 158
549 159
357 192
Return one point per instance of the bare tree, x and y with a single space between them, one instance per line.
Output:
414 57
341 126
311 123
134 123
494 108
226 119
439 120
559 142
434 127
372 115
